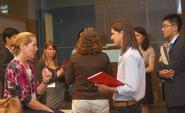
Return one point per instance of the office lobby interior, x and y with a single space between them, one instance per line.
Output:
61 20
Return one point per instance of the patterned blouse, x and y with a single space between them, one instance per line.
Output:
20 82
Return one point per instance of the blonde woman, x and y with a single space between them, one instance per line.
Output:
20 75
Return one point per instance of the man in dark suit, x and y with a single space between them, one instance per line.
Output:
6 54
173 72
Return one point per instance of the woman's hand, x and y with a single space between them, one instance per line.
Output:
35 104
105 89
46 75
60 72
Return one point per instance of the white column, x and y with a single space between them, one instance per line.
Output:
48 27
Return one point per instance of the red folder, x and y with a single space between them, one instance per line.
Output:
104 78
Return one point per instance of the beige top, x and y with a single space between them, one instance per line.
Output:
146 54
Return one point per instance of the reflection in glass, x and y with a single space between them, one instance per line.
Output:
4 9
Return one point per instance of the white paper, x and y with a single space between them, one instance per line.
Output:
52 85
163 56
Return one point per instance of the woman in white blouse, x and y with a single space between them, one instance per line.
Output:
131 70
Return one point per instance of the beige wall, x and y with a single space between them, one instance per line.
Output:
7 21
21 15
18 8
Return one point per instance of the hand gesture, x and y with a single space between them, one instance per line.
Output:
46 75
60 72
167 73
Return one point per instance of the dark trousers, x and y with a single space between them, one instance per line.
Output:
178 109
129 109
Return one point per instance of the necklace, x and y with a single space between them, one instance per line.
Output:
24 64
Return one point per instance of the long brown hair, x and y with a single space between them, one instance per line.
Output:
44 56
129 39
89 42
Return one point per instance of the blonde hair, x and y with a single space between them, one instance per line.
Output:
23 37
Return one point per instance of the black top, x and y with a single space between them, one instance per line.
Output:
40 65
5 57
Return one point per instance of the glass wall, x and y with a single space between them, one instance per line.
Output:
68 18
3 7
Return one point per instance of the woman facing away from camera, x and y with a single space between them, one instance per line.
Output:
20 75
131 70
54 96
148 54
86 61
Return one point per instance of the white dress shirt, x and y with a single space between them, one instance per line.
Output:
173 40
131 71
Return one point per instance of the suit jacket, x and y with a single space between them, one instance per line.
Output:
174 89
5 57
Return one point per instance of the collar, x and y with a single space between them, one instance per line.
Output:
9 49
174 38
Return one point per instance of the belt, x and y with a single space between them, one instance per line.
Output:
124 103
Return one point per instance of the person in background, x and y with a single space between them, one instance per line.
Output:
54 96
173 72
85 62
20 77
131 70
6 54
79 33
148 54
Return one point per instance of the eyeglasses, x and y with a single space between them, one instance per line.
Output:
166 26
